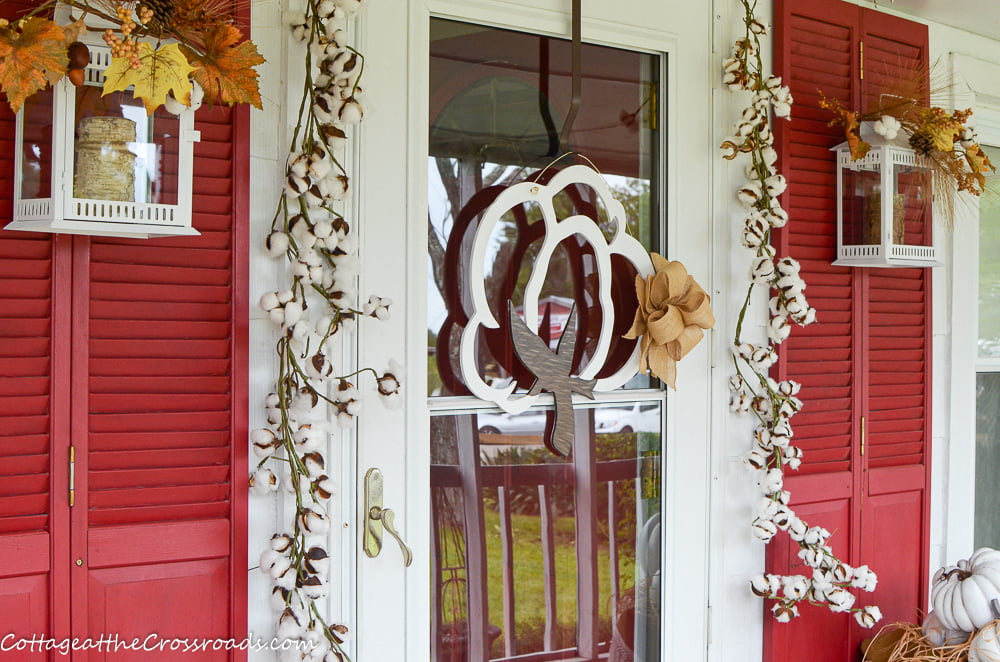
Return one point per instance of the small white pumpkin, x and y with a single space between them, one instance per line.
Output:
961 594
939 635
985 646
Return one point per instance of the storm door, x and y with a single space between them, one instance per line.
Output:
537 554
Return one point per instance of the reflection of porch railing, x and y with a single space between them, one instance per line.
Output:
585 475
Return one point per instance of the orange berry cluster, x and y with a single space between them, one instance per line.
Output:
127 47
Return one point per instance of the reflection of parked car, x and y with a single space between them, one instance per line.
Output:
640 417
528 423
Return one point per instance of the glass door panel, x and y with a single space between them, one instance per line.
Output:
537 556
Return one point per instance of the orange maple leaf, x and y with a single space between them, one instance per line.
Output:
27 56
226 69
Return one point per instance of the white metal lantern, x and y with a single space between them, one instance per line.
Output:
884 205
99 165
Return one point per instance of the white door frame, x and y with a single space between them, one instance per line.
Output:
393 622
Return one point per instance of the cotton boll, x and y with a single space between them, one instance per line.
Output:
887 126
263 482
783 613
739 403
868 616
316 561
313 521
293 312
298 164
319 367
314 588
795 587
282 543
323 229
277 316
320 167
307 439
323 488
276 243
350 7
291 624
351 112
314 463
279 598
267 560
797 529
777 216
764 530
749 194
778 330
761 269
300 332
790 286
760 586
326 9
755 460
840 599
775 185
279 566
269 301
766 508
335 186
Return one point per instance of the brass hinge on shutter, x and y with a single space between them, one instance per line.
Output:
861 58
72 475
862 436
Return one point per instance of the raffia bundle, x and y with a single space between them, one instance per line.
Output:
905 642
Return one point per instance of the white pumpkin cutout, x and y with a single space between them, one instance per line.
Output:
985 647
961 595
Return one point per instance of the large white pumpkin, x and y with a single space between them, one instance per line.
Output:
961 595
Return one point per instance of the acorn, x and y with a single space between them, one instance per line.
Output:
79 55
76 76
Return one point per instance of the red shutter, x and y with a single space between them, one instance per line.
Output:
26 408
895 510
816 42
820 356
159 420
134 353
868 354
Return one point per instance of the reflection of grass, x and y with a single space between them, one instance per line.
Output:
529 595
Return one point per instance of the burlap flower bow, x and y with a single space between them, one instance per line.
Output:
673 310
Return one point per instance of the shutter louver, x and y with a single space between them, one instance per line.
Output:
160 364
819 356
897 376
25 348
898 301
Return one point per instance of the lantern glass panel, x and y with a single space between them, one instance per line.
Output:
36 155
862 190
121 153
911 206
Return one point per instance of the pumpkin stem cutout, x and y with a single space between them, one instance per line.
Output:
552 373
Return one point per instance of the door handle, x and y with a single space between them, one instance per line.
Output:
377 519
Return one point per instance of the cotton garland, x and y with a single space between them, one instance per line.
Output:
321 250
753 392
